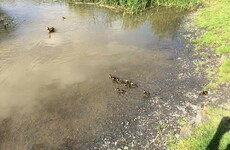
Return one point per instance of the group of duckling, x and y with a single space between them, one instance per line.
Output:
127 84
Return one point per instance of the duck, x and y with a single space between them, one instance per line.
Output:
130 84
112 77
5 26
115 79
203 93
120 91
133 85
127 83
50 29
146 94
119 81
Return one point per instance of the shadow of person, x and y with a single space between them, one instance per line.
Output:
223 127
228 147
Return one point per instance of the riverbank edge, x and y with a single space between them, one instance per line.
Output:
125 9
217 103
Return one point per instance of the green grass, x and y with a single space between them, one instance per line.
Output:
204 132
181 121
215 20
223 49
135 6
180 3
225 71
162 125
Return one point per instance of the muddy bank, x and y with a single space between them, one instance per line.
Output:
206 62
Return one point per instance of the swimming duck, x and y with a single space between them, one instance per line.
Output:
112 77
119 81
127 83
115 79
146 94
50 29
130 84
120 91
133 85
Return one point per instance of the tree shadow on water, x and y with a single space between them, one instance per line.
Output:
224 127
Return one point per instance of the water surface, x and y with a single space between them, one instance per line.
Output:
56 88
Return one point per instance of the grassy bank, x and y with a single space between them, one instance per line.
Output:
215 20
211 134
134 6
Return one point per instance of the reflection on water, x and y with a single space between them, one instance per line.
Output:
163 21
56 90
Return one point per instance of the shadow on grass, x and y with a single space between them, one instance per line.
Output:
223 127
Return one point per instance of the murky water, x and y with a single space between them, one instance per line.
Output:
57 89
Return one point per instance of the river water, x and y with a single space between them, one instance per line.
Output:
56 88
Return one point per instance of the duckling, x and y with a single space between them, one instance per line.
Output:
146 94
130 84
122 81
127 81
133 85
127 85
120 91
50 29
115 79
5 26
112 77
119 81
203 93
